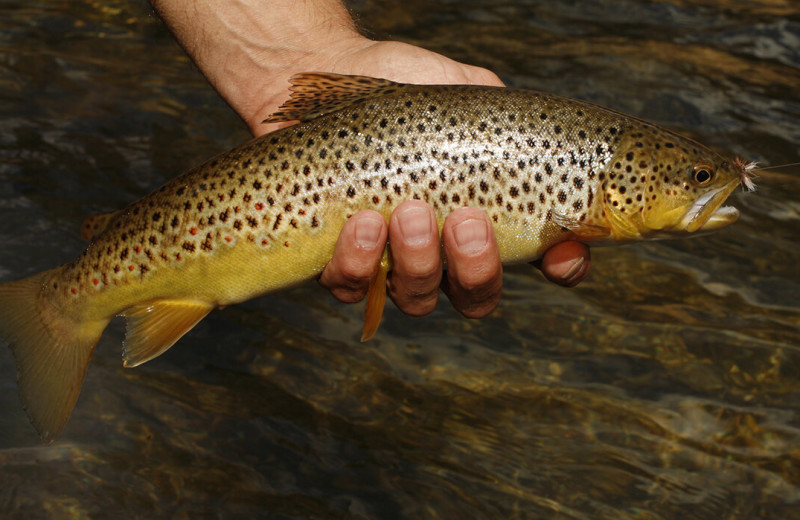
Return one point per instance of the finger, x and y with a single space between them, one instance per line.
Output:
481 76
474 272
355 259
416 258
566 263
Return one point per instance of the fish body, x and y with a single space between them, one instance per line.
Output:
266 215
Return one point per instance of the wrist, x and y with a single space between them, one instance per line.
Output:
248 49
270 75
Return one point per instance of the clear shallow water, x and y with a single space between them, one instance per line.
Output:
664 387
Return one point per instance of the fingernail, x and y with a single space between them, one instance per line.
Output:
471 235
368 232
415 226
571 274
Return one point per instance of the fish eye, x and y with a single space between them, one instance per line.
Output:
702 174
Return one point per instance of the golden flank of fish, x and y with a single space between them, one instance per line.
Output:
266 215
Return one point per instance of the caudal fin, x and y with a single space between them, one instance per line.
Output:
52 351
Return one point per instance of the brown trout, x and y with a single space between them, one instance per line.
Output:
266 215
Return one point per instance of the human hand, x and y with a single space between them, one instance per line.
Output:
473 279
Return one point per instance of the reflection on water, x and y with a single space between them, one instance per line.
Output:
665 387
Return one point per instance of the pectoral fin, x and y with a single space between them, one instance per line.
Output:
621 226
376 298
154 327
583 232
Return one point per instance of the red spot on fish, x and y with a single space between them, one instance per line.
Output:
301 212
137 249
74 290
286 243
259 206
131 268
264 242
178 257
228 239
193 231
95 281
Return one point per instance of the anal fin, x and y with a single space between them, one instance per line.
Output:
376 297
154 327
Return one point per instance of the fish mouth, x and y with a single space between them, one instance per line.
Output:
708 214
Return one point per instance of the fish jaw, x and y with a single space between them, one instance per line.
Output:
707 213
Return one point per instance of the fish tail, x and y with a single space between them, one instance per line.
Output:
52 350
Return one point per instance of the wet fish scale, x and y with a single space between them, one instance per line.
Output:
446 148
267 214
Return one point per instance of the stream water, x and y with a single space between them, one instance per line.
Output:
666 386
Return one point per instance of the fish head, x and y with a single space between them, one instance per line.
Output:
668 186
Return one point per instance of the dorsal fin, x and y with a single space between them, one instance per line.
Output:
96 224
315 94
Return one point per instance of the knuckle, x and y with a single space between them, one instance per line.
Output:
479 310
419 305
480 280
413 300
423 270
354 273
348 295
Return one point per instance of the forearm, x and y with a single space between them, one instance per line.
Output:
247 49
